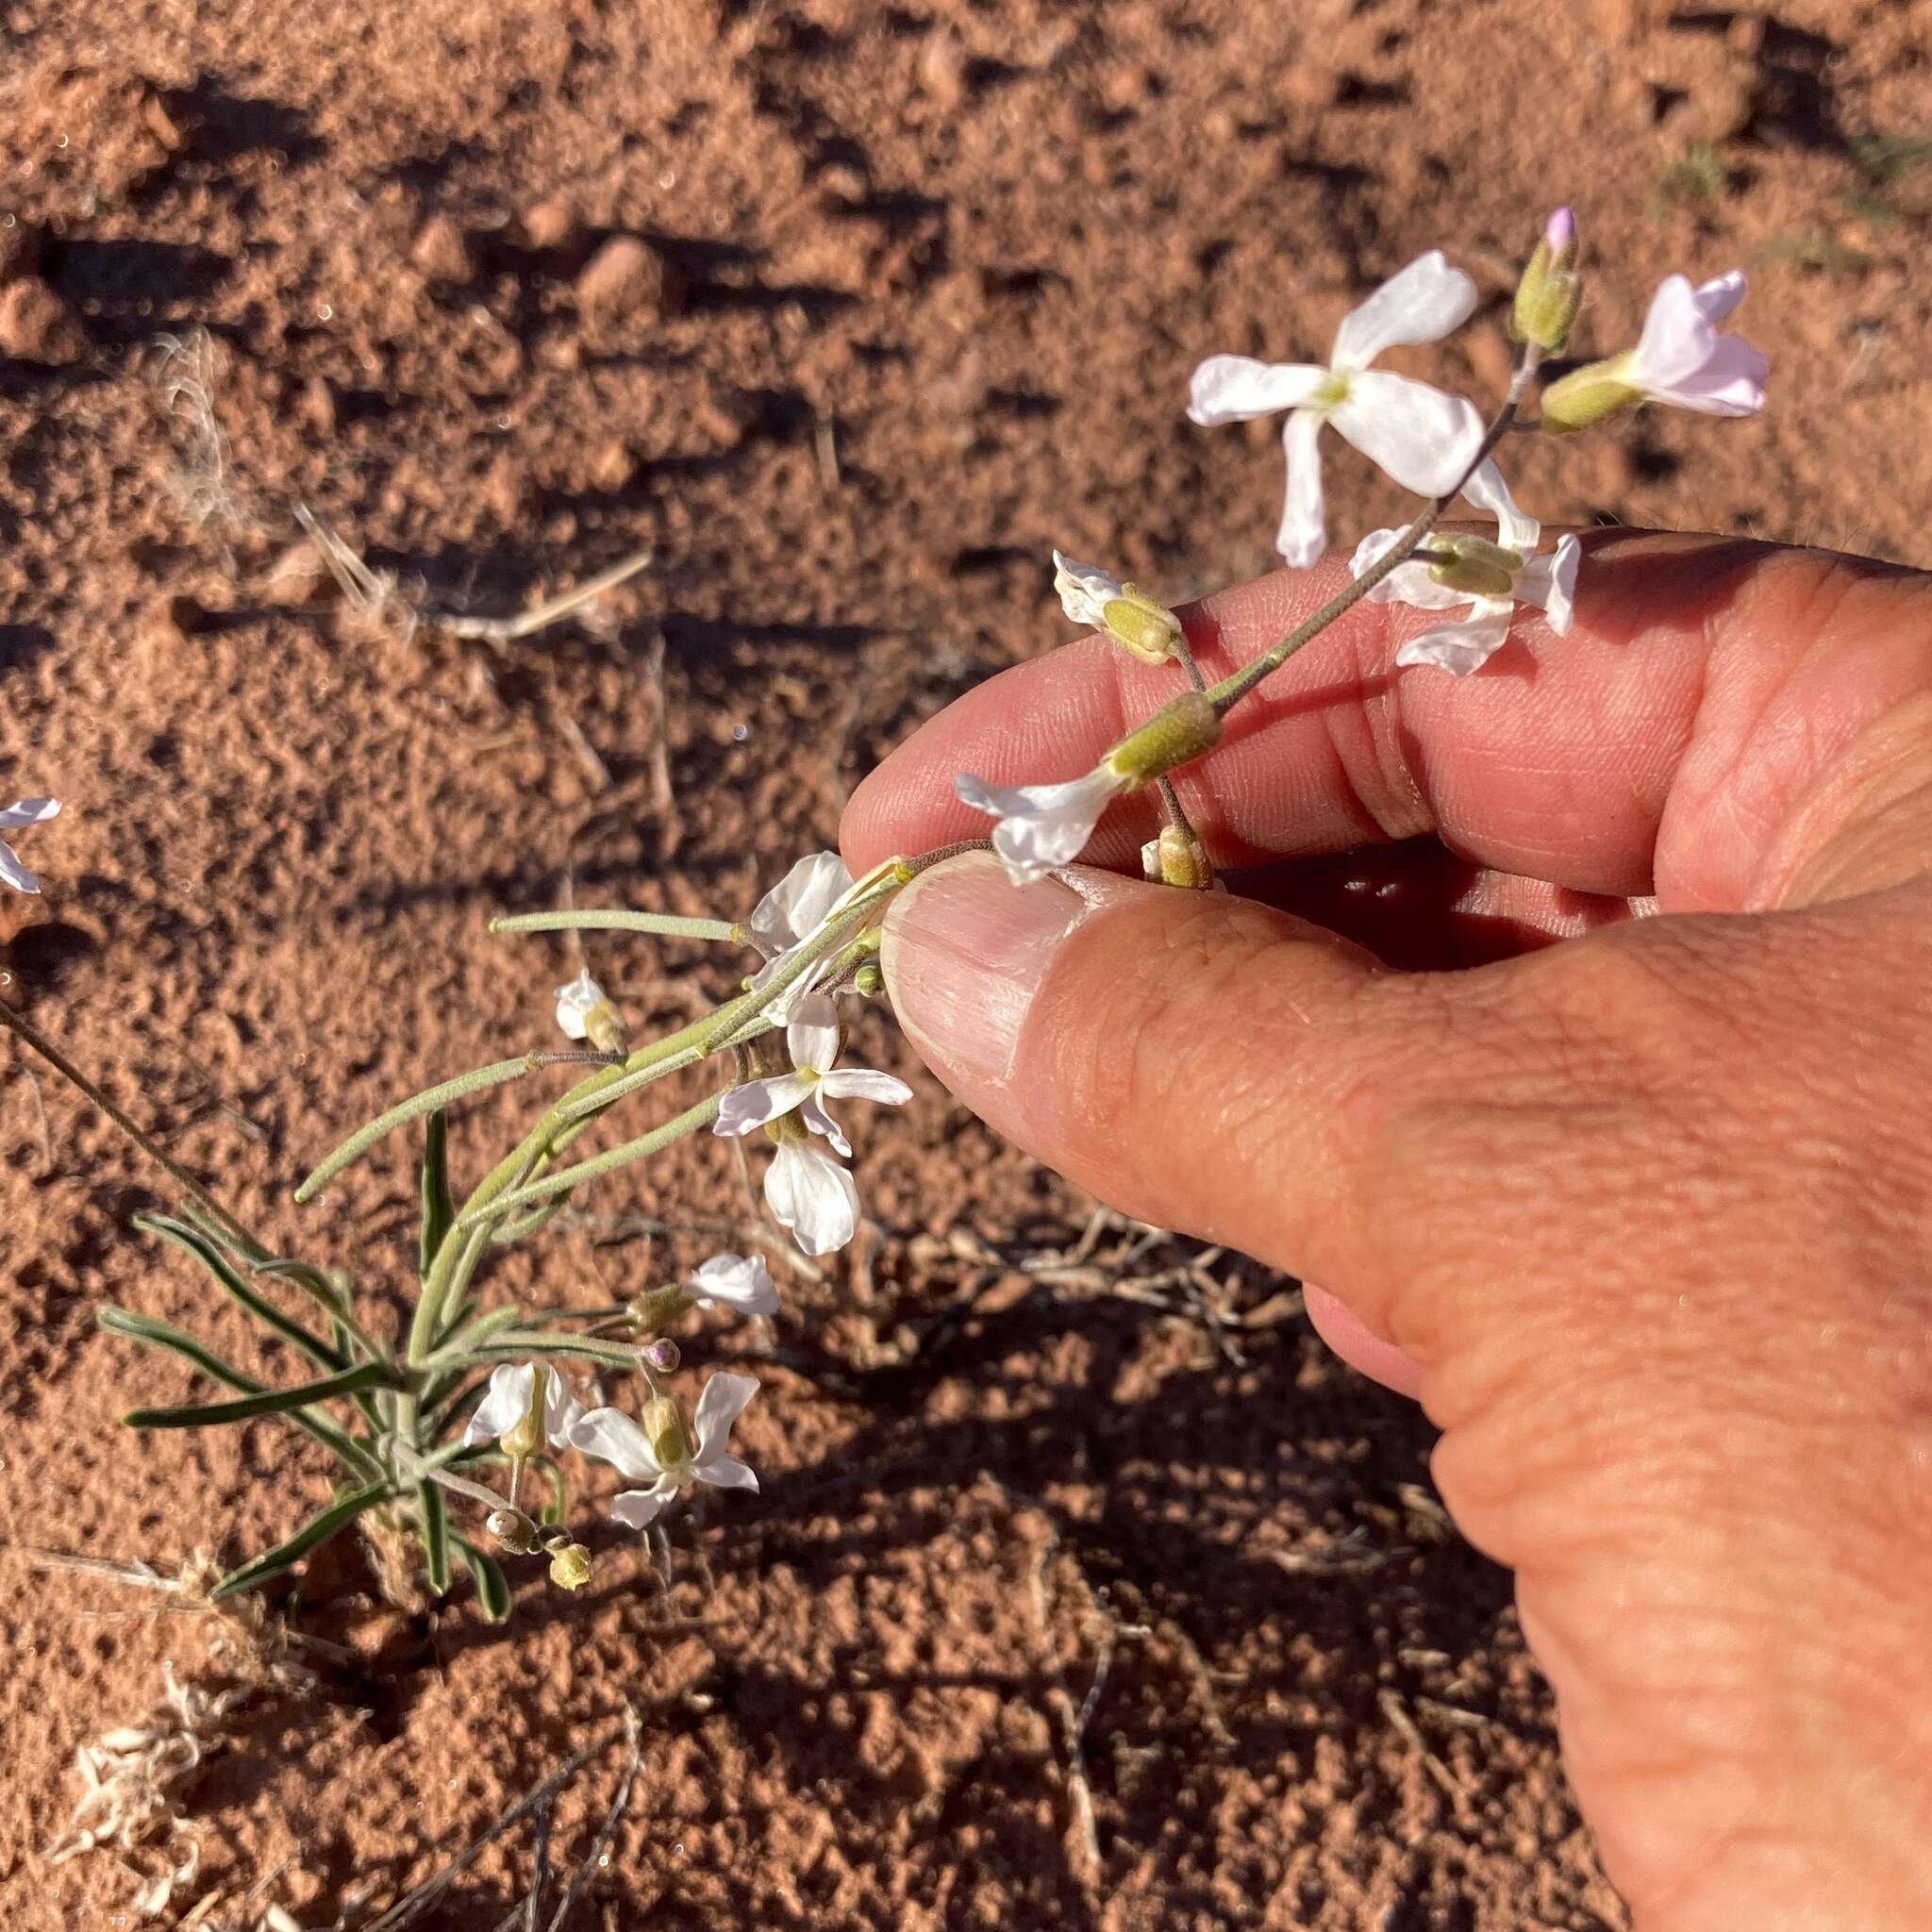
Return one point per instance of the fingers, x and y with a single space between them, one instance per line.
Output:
1196 1059
1658 746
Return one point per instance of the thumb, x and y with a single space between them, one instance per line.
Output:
1197 1060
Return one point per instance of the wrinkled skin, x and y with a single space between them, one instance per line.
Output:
1605 1129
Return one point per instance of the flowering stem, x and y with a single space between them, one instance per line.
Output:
1231 689
666 924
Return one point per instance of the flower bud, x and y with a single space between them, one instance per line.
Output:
1183 729
663 1425
1590 395
584 1011
570 1568
656 1308
662 1355
1476 566
512 1529
870 980
1177 859
1549 290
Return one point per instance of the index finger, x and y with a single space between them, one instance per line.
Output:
1655 747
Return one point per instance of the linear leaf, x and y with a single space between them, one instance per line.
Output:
432 1521
671 924
439 1211
194 1241
267 1402
317 1530
514 1344
157 1334
492 1586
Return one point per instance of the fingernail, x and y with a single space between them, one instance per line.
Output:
965 952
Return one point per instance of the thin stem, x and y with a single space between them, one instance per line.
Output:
667 924
1231 689
1170 804
134 1130
1184 656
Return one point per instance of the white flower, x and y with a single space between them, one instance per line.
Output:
505 1405
791 912
575 1003
1042 826
1468 642
612 1435
812 1040
812 1197
29 811
1681 360
1419 436
1085 590
737 1281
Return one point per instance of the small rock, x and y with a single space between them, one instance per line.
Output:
315 406
613 465
552 227
35 326
625 278
174 620
941 68
1719 109
20 249
297 578
165 128
442 251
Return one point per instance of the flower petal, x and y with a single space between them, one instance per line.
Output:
1730 381
1085 590
1515 529
14 873
817 1117
1550 582
1304 533
812 1035
814 1199
719 1407
505 1404
799 902
1460 648
1717 297
28 812
759 1101
575 1000
728 1472
737 1281
615 1438
640 1509
1235 389
1420 435
563 1411
865 1083
1421 303
1040 826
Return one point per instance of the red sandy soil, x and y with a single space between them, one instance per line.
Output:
918 290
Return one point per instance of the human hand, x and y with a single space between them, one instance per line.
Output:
1640 1207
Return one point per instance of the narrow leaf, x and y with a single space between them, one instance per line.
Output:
268 1402
613 920
194 1241
492 1586
514 1344
163 1335
317 1530
439 1211
432 1521
429 1101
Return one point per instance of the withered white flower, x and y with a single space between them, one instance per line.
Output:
1042 826
1468 642
672 1461
505 1405
27 811
790 914
734 1281
1419 436
812 1040
812 1197
576 1001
